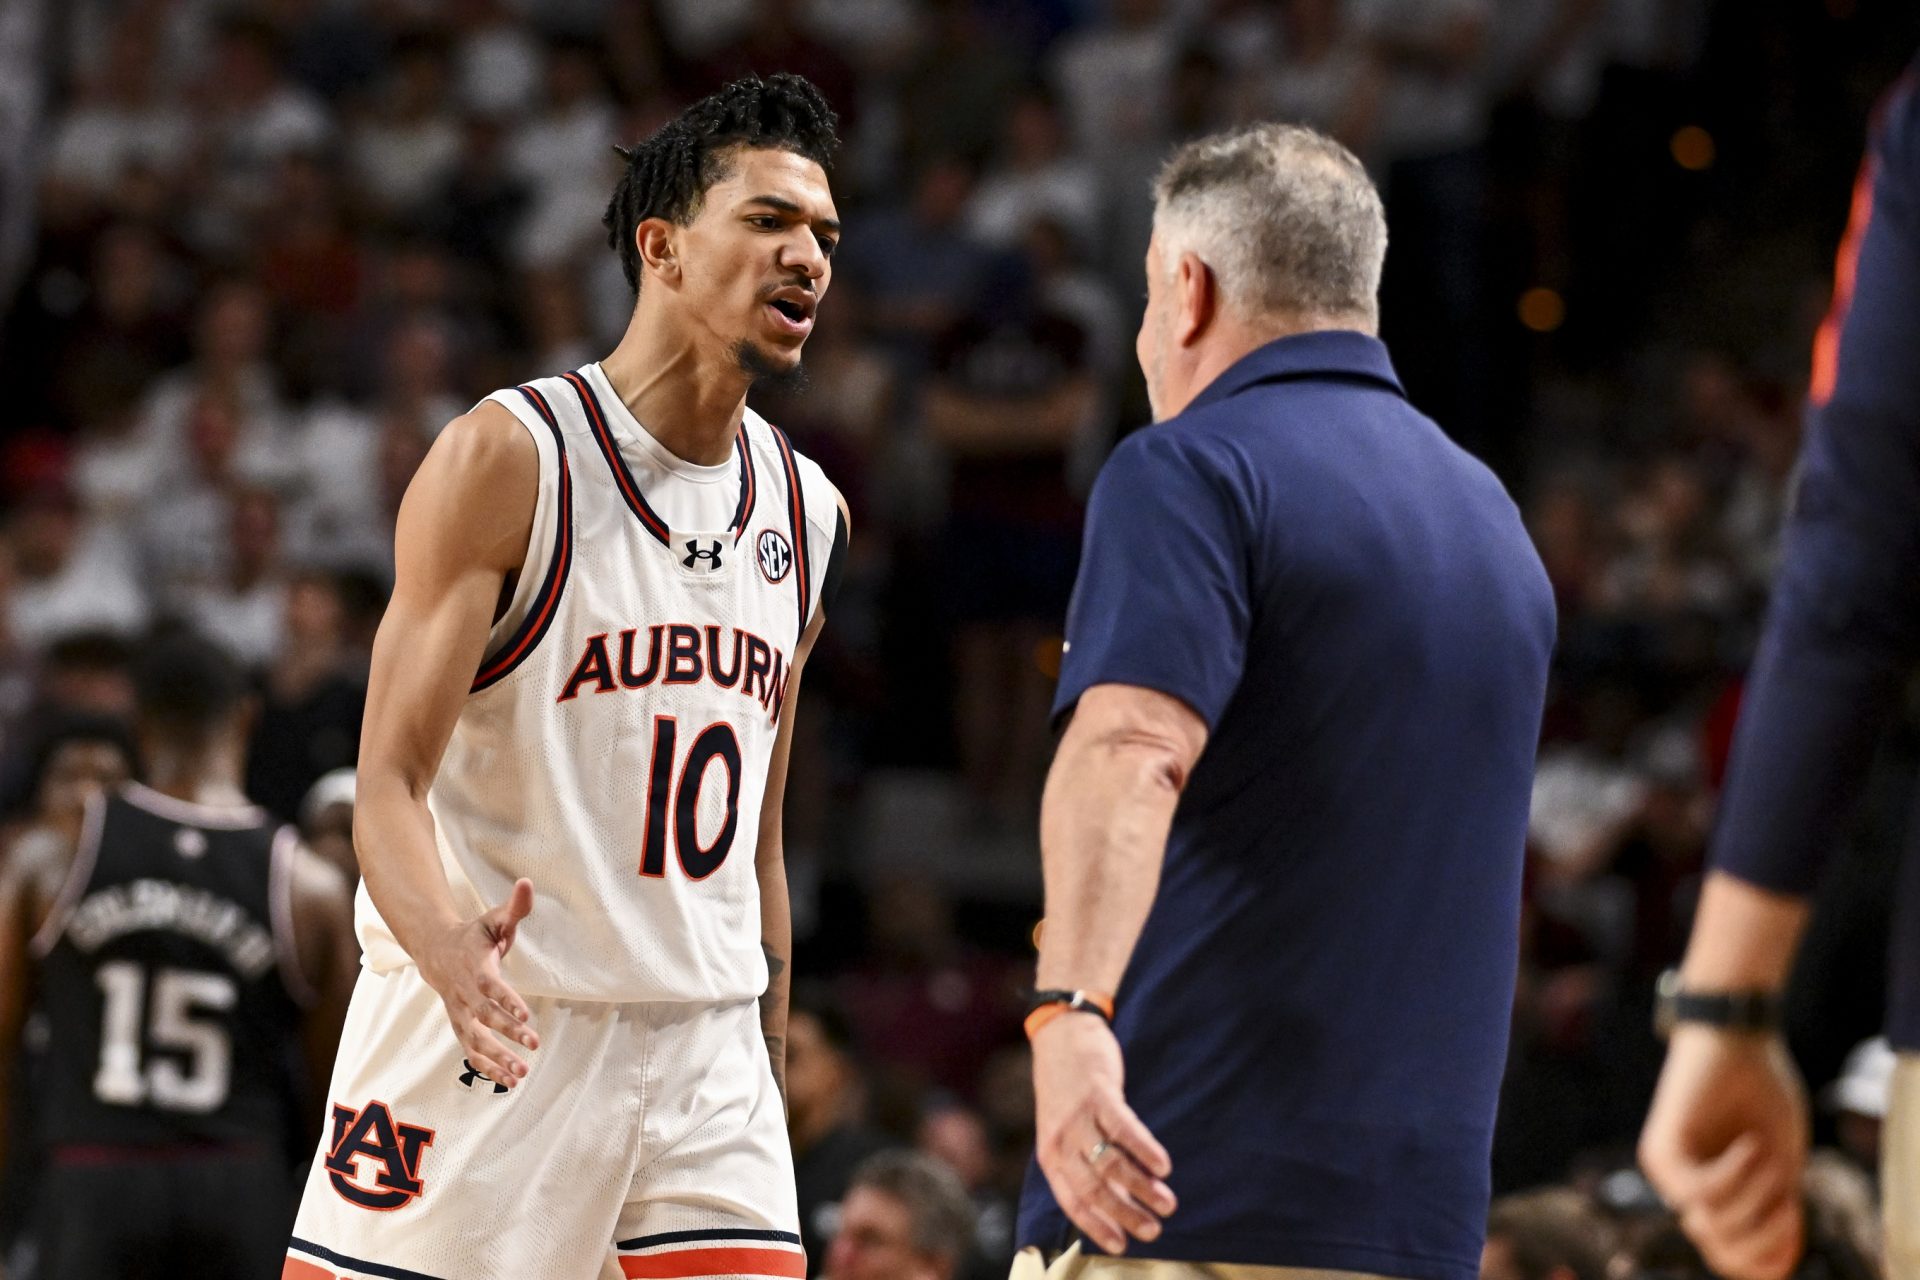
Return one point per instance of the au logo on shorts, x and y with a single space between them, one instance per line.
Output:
776 557
390 1151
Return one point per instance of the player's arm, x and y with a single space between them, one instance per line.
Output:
329 959
770 861
30 876
1726 1138
463 528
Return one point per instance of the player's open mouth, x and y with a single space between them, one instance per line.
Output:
792 310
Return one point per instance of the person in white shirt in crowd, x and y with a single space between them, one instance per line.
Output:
71 575
406 148
1035 174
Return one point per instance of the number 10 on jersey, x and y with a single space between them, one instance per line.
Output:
674 802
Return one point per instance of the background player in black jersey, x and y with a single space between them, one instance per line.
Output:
186 953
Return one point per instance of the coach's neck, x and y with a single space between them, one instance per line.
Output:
1228 338
1193 331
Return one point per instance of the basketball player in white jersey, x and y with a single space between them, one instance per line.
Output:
562 1059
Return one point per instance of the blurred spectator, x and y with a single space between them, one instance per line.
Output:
1324 76
477 213
1843 1220
927 1007
309 722
241 608
129 331
906 1217
1431 133
250 117
1841 1236
230 373
184 531
1858 1102
1554 1234
564 157
76 757
87 671
557 323
776 38
497 60
313 268
957 1137
957 88
17 659
918 269
1008 399
406 147
69 575
122 119
825 1117
1034 175
326 824
1116 78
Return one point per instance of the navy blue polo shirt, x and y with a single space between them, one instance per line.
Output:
1842 634
1315 1019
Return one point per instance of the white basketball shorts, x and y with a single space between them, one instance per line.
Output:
647 1141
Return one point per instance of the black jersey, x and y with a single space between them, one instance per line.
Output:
168 979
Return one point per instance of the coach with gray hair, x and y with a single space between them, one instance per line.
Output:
1282 836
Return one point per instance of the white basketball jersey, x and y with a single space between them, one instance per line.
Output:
614 748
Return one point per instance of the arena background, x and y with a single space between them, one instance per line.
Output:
254 255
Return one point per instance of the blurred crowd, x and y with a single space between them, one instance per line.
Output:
275 245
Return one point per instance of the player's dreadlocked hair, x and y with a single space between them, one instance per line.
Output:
668 173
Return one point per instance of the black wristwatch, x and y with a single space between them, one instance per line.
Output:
1749 1011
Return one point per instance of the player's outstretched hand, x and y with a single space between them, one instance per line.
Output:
1725 1145
463 967
1105 1168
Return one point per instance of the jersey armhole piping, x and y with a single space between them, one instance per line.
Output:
86 856
286 846
544 604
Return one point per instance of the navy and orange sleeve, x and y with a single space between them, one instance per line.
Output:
1162 597
1842 632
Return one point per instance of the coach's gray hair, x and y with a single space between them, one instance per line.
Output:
1286 218
936 1200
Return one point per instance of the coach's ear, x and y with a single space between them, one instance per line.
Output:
1197 299
654 239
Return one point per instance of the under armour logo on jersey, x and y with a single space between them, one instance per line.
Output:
696 553
395 1149
776 557
473 1073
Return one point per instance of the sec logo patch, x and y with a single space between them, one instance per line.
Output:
775 555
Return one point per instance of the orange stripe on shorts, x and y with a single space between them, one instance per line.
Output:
301 1269
690 1263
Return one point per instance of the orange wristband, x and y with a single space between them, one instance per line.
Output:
1094 1002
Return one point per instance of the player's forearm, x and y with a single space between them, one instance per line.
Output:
1744 937
400 861
776 940
1104 820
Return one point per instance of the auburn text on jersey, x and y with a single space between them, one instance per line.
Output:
679 653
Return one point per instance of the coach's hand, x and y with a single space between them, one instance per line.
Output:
1725 1145
1105 1168
463 967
